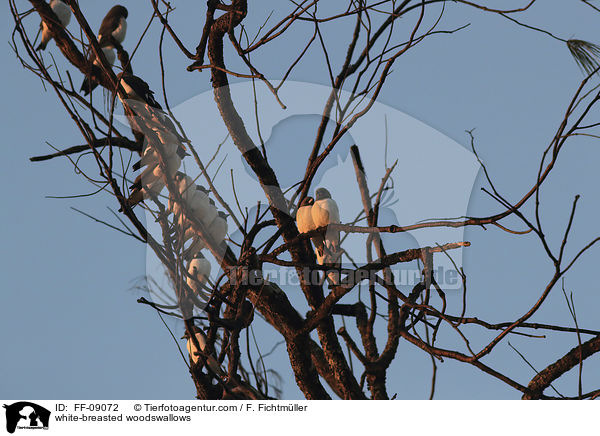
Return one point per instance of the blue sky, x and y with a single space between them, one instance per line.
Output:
69 321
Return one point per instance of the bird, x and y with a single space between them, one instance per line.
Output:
112 30
90 84
154 171
186 186
306 224
195 354
325 212
136 88
139 193
202 206
199 271
182 182
113 27
150 156
205 212
152 180
304 217
63 13
218 227
179 178
217 230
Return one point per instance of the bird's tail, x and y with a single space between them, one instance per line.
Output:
334 274
42 45
334 260
333 255
87 86
135 197
332 240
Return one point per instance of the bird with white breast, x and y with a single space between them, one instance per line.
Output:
63 13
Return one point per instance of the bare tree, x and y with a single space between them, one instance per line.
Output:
326 356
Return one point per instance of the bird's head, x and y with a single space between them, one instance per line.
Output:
123 76
223 215
179 176
202 189
181 152
321 194
119 11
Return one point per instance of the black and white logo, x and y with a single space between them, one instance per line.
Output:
26 415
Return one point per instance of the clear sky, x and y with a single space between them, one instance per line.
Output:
69 322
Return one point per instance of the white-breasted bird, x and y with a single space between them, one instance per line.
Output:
114 27
304 216
306 224
199 272
184 183
324 212
217 230
112 30
154 171
152 180
90 84
202 206
140 191
63 13
173 206
187 187
206 216
211 361
136 88
150 155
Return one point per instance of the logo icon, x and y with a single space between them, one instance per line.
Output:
26 415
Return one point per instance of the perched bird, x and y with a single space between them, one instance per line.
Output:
63 13
199 271
304 217
202 206
140 192
112 30
152 180
217 230
154 171
113 27
218 227
195 354
187 187
137 89
306 224
206 215
90 84
179 178
324 212
150 156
